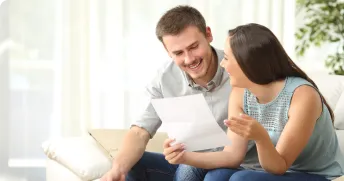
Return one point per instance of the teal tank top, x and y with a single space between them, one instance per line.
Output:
321 155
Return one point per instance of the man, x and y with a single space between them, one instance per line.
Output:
195 69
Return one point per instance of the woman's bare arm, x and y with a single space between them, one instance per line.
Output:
305 109
233 155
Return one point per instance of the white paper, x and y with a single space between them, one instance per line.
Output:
189 120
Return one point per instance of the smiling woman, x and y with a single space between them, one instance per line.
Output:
282 108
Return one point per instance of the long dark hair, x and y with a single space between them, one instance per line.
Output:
262 58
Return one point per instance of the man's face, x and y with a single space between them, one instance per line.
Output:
191 51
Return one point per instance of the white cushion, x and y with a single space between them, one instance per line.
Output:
81 155
57 172
332 88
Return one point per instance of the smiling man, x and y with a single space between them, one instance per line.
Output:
194 69
191 51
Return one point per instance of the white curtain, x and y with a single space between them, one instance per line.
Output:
113 52
75 65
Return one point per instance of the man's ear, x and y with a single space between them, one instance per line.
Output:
208 34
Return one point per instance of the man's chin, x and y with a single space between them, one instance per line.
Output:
196 76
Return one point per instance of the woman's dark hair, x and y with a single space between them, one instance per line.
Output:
262 58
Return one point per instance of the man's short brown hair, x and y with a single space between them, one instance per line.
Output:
177 19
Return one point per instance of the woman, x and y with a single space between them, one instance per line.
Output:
280 125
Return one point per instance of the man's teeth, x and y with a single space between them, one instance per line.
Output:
194 65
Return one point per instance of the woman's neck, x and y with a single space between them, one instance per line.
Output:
267 93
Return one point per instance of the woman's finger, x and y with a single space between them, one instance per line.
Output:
173 148
237 131
236 127
176 158
123 177
239 120
234 123
171 155
167 142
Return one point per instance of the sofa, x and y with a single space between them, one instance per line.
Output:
87 158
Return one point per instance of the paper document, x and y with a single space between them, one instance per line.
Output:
189 120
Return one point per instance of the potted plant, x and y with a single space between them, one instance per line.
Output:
324 23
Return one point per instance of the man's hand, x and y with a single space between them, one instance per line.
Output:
174 154
113 175
130 152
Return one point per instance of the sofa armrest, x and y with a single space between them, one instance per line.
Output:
111 139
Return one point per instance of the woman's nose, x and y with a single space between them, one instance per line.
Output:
222 64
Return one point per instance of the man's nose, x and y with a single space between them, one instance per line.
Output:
189 58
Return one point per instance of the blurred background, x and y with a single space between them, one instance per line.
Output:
70 65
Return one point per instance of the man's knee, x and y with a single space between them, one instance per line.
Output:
151 165
140 164
189 173
139 169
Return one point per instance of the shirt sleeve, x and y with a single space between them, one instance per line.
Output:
148 119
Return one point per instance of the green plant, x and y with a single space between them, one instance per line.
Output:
324 23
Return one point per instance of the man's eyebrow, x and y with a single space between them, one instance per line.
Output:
177 51
191 45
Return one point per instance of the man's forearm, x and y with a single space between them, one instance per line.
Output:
211 160
269 158
131 149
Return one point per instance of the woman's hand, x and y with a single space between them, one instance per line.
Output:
247 127
174 154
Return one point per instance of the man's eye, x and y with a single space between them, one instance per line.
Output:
179 53
194 47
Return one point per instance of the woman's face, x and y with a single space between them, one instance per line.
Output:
230 64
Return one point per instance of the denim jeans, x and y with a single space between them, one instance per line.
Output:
152 167
189 173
